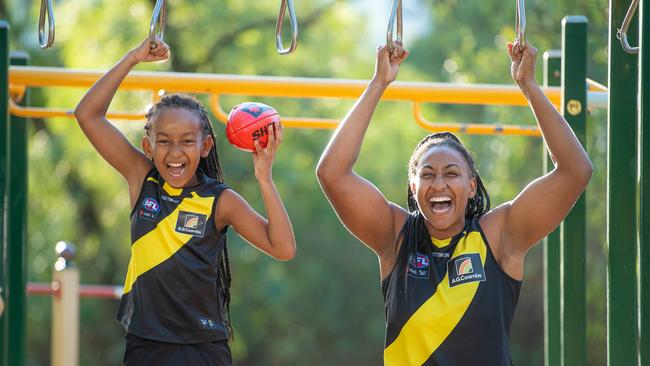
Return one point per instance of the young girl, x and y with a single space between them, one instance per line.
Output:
176 295
451 268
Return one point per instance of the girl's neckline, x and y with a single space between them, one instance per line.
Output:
172 191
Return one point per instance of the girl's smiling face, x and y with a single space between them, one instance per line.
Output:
176 142
442 186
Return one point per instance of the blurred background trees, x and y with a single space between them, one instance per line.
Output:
324 307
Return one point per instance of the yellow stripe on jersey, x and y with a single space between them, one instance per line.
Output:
440 243
152 179
162 242
171 190
432 323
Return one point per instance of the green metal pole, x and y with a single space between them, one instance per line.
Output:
16 305
643 189
573 231
621 197
552 319
4 125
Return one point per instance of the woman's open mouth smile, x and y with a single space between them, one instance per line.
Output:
441 204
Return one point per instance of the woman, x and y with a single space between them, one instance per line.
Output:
451 268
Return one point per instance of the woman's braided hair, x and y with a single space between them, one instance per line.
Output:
414 231
209 166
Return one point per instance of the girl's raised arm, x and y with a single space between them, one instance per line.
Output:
359 204
108 140
546 201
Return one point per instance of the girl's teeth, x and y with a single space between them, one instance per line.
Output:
176 169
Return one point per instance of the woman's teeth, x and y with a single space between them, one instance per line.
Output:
440 199
440 204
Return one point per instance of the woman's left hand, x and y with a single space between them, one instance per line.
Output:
263 156
522 67
388 63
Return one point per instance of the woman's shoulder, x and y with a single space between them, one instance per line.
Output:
494 220
492 224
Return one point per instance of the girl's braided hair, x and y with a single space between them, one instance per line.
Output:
210 167
414 231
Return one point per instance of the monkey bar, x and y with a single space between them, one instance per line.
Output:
216 85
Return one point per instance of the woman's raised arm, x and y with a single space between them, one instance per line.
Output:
545 202
359 204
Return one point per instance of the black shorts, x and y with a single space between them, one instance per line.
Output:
144 352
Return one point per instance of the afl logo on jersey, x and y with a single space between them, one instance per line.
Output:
418 266
421 261
465 268
149 209
150 204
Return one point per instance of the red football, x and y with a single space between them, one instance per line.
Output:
248 122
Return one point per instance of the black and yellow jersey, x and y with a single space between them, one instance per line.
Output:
450 306
170 291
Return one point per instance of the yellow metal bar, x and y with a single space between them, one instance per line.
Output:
17 93
312 123
474 128
21 77
218 112
36 112
481 94
290 122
